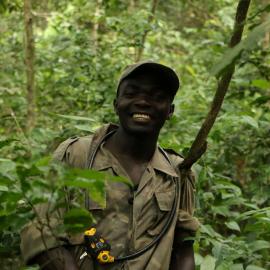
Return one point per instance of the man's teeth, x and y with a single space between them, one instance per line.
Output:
141 116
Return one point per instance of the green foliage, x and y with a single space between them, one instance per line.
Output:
246 45
77 220
76 74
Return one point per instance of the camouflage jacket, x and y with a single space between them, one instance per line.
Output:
129 218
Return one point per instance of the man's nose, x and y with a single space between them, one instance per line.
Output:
143 101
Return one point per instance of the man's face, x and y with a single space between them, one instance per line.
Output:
143 104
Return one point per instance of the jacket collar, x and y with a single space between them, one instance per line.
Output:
159 161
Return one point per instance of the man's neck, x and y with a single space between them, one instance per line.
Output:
138 147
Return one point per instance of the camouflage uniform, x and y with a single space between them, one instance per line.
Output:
130 218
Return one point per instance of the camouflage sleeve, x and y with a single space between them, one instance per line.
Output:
73 151
41 233
60 154
186 220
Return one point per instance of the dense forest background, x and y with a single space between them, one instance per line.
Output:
60 62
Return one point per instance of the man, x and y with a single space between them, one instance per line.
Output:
145 220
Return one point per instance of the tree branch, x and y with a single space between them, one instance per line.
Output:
29 64
96 26
200 144
150 19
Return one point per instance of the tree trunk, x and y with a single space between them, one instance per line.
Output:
266 40
29 65
96 24
150 19
199 145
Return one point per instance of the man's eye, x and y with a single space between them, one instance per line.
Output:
159 97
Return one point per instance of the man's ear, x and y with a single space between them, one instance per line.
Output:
171 110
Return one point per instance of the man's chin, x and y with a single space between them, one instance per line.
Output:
141 130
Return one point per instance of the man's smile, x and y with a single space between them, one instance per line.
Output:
141 117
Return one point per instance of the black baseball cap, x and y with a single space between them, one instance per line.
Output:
166 73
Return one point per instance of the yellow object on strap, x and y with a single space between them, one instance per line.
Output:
90 232
97 247
105 257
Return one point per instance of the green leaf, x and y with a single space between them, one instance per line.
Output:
98 194
6 142
207 229
220 252
208 263
224 184
231 55
72 173
91 180
191 70
254 267
250 121
85 128
258 245
253 213
255 35
77 118
80 182
4 181
233 225
75 214
25 171
198 259
237 266
44 161
11 197
263 84
222 210
6 165
3 188
261 100
224 266
77 220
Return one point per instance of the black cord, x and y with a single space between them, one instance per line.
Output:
171 215
162 233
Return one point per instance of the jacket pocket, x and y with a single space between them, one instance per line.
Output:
164 202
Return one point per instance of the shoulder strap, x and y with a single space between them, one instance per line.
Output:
95 144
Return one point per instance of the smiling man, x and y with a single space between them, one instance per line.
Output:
148 223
